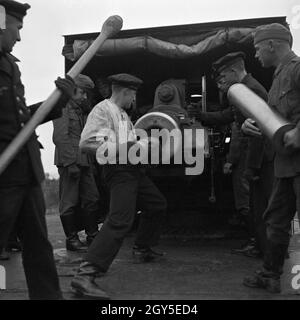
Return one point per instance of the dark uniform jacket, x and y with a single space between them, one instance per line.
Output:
26 166
284 97
66 137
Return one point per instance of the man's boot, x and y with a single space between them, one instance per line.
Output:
14 244
3 254
91 225
146 254
84 285
264 279
249 249
269 277
72 242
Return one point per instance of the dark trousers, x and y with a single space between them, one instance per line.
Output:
241 189
284 202
129 189
81 190
260 193
24 207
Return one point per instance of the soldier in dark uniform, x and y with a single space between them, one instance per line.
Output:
107 125
78 194
247 156
273 48
21 198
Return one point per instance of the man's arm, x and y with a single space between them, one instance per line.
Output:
97 131
296 81
217 117
66 152
292 138
55 113
67 87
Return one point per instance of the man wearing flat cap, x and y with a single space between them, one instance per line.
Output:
109 128
273 49
249 159
21 197
77 186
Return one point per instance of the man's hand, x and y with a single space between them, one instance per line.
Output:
74 171
227 169
66 85
291 139
250 128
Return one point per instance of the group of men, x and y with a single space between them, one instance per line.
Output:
269 177
83 138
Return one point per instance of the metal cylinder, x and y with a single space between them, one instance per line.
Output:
271 123
160 120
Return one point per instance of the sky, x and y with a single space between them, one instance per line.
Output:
47 21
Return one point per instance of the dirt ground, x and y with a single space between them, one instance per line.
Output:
193 269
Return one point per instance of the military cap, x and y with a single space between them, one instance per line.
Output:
125 80
15 9
272 31
227 61
84 82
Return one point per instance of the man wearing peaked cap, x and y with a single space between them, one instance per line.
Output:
21 197
15 9
125 80
246 160
226 61
84 82
275 31
273 49
77 187
109 136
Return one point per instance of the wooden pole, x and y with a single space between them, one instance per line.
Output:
110 27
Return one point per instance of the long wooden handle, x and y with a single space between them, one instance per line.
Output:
110 27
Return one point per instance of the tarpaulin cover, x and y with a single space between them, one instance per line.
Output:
115 47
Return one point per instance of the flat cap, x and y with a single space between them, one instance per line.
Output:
84 82
272 31
125 80
227 61
15 9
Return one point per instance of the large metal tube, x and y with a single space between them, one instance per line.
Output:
271 123
160 120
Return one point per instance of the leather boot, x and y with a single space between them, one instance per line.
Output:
84 285
72 242
264 279
269 277
3 254
91 225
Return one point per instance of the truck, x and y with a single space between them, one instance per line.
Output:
181 55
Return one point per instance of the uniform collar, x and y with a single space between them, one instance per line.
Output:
286 59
